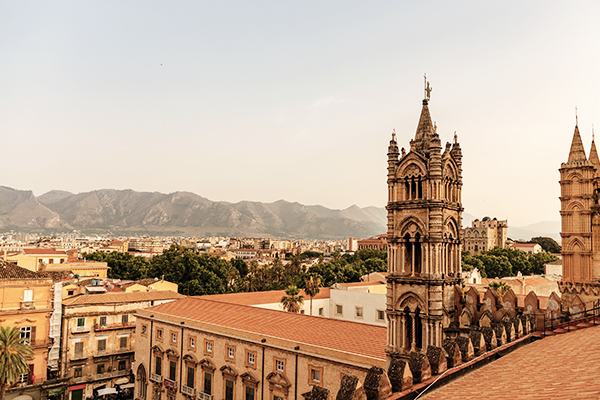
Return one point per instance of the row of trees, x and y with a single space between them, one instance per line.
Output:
201 274
499 262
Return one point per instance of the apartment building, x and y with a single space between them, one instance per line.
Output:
98 338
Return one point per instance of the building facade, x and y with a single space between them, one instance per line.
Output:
485 235
580 224
98 339
424 238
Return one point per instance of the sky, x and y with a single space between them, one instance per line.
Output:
295 100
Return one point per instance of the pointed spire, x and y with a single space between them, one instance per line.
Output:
577 153
593 152
425 129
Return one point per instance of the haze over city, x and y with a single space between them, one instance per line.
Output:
275 100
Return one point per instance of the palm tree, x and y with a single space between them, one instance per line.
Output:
312 288
14 352
499 287
291 302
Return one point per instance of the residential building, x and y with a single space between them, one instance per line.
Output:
379 242
485 235
98 338
207 349
529 248
35 259
26 302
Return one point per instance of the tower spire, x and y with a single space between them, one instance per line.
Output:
577 152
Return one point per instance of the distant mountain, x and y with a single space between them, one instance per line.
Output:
131 212
545 228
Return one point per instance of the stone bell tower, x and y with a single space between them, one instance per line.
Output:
580 226
424 238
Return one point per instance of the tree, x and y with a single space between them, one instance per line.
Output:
547 243
312 288
14 352
499 287
293 300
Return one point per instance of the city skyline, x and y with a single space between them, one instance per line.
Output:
296 101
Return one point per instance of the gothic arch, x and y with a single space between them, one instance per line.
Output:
451 227
412 170
575 245
575 206
141 372
404 226
450 170
410 300
574 175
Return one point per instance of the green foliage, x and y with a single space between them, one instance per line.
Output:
122 265
292 301
14 353
548 244
499 287
499 262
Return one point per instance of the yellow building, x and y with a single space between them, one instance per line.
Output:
82 268
36 259
26 302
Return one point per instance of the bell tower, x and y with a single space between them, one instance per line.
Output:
424 238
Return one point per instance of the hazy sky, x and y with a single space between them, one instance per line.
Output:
294 100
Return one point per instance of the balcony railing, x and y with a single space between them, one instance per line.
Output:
155 377
120 325
28 305
204 396
111 351
187 390
80 329
171 384
105 375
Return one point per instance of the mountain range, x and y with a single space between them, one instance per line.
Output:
127 212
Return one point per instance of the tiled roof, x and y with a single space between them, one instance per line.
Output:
147 282
346 336
9 270
121 297
255 298
44 252
358 284
558 367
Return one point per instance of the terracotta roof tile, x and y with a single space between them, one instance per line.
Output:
254 298
121 297
9 270
37 251
346 336
558 367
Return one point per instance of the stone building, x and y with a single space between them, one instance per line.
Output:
424 239
485 235
98 339
580 224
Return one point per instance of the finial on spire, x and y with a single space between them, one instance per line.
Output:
576 119
393 134
593 134
455 137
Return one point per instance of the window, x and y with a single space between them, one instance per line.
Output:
249 393
173 337
125 318
277 398
158 365
380 315
251 358
190 376
279 365
101 344
77 372
208 347
228 389
144 329
315 375
26 334
102 322
339 309
28 295
100 369
229 352
81 321
70 292
159 334
78 349
192 343
172 370
123 342
358 312
321 311
207 383
122 365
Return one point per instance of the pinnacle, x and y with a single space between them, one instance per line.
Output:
594 155
577 153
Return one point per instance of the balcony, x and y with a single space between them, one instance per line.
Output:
80 329
120 325
170 384
204 396
113 351
97 377
155 377
188 390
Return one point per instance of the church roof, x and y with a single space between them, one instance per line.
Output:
577 153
